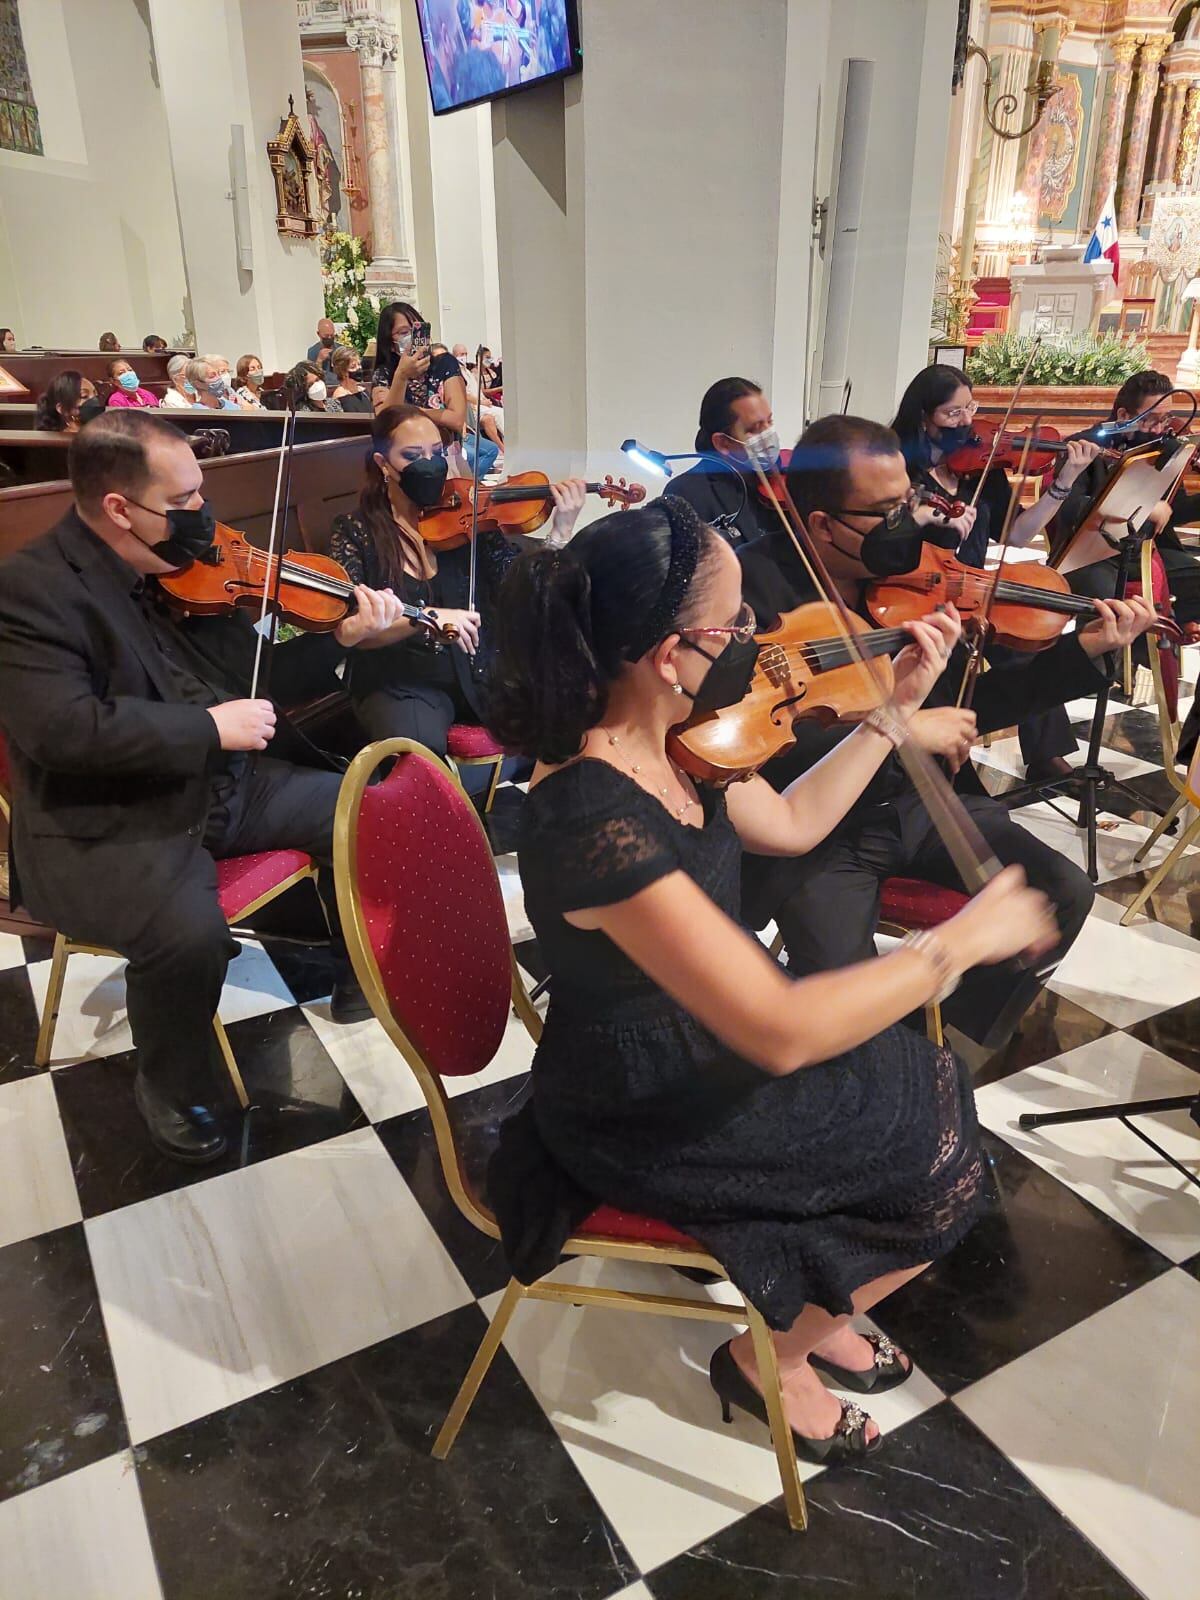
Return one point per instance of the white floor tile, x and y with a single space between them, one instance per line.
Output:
1127 974
223 1289
1117 841
381 1079
514 898
82 1537
1103 1419
38 1192
630 1399
1005 754
1104 1161
92 1020
636 1591
12 951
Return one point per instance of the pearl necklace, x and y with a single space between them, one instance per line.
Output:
678 812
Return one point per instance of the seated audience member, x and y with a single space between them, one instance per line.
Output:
209 385
405 373
131 738
109 343
8 341
413 685
321 352
154 344
347 366
180 393
307 383
250 377
128 391
222 370
463 356
849 480
737 428
58 407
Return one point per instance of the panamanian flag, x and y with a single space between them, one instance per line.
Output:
1104 242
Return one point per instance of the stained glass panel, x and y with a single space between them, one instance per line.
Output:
19 128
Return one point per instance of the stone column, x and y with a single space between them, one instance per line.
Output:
1108 150
1189 134
1168 131
390 272
1134 169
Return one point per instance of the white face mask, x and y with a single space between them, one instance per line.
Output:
762 448
317 391
403 342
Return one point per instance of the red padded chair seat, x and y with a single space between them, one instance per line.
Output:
467 741
608 1223
241 880
913 903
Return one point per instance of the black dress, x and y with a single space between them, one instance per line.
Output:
804 1187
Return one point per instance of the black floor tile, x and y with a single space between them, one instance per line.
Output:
503 821
298 1097
37 949
307 969
59 1405
1175 1032
1134 733
1193 1266
1040 1260
1176 900
1052 1026
325 1487
410 1143
18 1025
938 1512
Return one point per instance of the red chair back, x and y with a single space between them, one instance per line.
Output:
427 902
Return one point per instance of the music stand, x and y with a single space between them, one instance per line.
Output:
1129 1108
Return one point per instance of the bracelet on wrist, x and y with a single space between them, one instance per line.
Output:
1056 491
929 946
891 728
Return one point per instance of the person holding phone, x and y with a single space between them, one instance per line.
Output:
406 374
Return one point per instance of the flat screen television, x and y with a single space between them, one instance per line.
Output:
477 50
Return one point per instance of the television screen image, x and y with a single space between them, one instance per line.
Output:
477 50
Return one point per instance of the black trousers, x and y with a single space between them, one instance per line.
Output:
1044 735
177 963
413 711
1099 581
830 907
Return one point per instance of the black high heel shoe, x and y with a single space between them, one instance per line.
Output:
847 1442
887 1373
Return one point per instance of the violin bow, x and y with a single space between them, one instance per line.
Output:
473 558
274 575
968 848
999 434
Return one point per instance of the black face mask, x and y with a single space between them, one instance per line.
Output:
423 480
190 534
728 678
888 552
951 439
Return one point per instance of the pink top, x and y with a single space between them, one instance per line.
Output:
138 397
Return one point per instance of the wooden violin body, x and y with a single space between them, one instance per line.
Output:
520 505
805 669
315 593
976 455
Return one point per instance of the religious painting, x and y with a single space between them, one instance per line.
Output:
324 110
1174 249
1061 141
293 162
19 126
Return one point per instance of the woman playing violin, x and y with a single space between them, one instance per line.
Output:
822 1153
412 684
934 419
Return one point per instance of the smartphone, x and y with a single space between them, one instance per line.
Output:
421 336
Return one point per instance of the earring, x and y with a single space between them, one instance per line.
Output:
676 688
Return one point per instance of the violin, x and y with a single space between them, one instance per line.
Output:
946 506
314 591
805 669
520 505
976 455
1032 607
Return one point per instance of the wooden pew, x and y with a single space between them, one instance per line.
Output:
326 479
35 368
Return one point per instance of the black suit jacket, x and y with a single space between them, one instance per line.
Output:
111 771
774 581
715 492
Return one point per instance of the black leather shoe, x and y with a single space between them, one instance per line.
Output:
191 1135
348 1003
847 1442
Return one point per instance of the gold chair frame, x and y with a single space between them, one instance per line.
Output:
1187 789
495 762
472 1206
65 948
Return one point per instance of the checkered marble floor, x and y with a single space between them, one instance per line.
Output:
226 1383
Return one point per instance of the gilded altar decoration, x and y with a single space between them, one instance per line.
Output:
1174 249
19 126
293 164
1060 132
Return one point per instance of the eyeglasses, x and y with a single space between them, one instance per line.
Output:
956 414
891 519
743 630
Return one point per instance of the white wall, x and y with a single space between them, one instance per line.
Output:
88 235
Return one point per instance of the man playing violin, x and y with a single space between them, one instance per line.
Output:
137 755
850 484
736 432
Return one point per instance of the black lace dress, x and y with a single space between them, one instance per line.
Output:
805 1187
